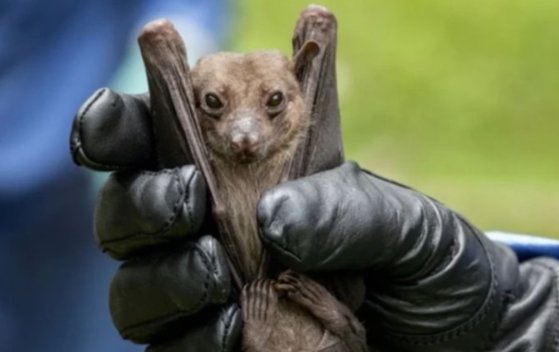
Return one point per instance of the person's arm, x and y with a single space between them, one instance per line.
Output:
434 282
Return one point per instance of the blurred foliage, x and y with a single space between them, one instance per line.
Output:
458 99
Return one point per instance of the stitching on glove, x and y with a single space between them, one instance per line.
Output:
489 302
217 273
172 219
493 337
555 342
162 320
227 331
177 206
187 201
77 145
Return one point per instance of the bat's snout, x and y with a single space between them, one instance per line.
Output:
245 146
245 138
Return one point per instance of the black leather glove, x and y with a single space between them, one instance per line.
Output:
434 282
173 289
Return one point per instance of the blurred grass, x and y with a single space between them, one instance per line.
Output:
457 99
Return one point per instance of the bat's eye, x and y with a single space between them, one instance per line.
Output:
213 102
275 100
275 104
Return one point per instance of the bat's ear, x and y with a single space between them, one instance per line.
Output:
302 59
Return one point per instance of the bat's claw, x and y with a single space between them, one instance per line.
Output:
319 17
315 23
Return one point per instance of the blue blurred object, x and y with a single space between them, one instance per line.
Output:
53 55
527 246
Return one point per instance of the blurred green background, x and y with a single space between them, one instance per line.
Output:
458 99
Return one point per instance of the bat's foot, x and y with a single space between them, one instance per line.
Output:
315 298
259 303
333 314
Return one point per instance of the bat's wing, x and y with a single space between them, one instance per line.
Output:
314 47
322 147
178 136
170 88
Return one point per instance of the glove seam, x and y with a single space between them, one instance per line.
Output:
183 191
489 302
226 331
77 144
187 200
162 320
554 333
493 337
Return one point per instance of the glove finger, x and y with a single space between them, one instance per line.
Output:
348 219
324 221
138 211
219 334
113 131
153 295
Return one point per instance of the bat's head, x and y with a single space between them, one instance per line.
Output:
250 105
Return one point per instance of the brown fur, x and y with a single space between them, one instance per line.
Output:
244 84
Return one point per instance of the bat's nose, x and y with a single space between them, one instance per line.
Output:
245 144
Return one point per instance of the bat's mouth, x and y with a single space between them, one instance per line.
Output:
246 157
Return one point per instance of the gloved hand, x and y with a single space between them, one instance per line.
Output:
433 281
173 289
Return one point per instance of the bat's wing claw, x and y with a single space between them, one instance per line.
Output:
315 23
